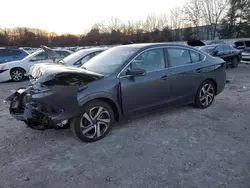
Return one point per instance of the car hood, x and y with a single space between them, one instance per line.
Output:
9 63
49 69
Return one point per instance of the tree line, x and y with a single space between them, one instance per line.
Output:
199 19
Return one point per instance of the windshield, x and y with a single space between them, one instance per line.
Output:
75 56
110 60
207 49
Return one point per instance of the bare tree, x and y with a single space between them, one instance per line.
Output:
212 12
151 22
177 21
193 15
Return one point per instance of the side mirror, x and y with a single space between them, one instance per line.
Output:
136 72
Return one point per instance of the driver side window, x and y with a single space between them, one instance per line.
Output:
151 60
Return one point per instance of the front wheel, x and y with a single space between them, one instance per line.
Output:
94 123
205 95
17 74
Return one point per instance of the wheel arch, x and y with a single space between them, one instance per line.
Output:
106 97
13 68
214 82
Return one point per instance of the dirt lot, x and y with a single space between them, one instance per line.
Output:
182 147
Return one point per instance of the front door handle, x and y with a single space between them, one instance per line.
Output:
199 70
164 77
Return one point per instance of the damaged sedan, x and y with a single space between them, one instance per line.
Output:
121 82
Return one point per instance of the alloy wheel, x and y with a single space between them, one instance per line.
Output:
16 75
95 122
206 94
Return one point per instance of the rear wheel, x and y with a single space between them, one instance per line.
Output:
94 123
17 74
235 62
205 95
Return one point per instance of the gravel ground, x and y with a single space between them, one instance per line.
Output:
181 147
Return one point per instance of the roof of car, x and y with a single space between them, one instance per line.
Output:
144 45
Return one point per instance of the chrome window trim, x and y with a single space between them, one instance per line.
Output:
163 47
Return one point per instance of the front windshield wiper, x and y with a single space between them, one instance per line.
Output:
84 68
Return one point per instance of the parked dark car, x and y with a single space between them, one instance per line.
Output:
244 47
231 55
216 42
121 82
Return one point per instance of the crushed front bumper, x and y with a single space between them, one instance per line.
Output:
44 106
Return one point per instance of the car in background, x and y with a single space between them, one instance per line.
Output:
122 81
80 57
16 70
11 54
244 46
227 52
216 42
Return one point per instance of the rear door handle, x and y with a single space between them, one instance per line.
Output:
164 77
199 70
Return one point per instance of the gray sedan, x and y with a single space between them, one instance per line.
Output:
120 82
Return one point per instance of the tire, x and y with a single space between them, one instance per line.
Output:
235 62
17 74
86 126
204 100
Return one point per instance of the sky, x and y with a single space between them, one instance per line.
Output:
76 16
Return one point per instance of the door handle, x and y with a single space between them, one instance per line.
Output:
199 70
164 77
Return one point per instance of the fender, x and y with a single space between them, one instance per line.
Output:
105 95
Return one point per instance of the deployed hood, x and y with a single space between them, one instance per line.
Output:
51 69
52 54
195 43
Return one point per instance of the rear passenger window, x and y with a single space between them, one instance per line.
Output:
195 57
178 56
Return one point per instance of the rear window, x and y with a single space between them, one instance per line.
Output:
239 44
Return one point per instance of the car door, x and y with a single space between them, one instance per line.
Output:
185 73
149 90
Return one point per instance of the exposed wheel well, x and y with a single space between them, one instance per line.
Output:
112 104
215 84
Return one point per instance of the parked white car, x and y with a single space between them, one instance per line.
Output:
17 70
82 56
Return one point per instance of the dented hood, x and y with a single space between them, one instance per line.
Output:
50 69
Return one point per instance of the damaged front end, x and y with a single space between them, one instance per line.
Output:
50 101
